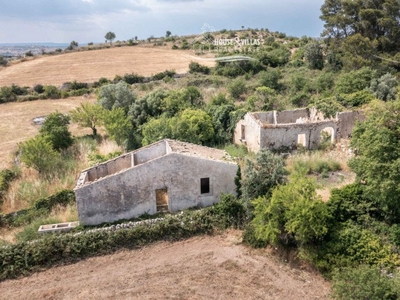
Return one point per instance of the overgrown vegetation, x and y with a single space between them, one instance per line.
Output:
353 238
24 258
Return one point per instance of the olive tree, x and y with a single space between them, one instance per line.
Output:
110 36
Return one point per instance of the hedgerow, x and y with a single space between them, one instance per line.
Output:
25 258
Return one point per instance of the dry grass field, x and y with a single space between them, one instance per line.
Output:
89 66
17 122
204 267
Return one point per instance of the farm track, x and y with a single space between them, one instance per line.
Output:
204 267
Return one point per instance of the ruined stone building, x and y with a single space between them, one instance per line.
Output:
285 130
165 176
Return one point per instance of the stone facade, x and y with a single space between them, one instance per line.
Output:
165 176
287 129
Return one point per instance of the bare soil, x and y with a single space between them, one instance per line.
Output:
89 66
204 267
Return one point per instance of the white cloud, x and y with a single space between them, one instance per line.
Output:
89 20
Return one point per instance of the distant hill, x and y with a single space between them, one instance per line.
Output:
89 66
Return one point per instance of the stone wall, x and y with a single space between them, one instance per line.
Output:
109 167
148 153
287 136
286 129
252 131
347 121
268 117
291 116
131 193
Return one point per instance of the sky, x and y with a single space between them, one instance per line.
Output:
84 21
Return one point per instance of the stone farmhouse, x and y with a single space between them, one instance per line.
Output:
285 130
165 176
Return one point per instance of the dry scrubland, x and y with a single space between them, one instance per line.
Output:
17 122
205 267
89 66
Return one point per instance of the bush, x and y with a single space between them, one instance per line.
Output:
77 85
52 92
38 88
55 130
293 214
237 88
18 90
6 177
132 78
7 95
62 198
3 61
364 282
355 99
262 174
162 75
313 165
195 67
270 79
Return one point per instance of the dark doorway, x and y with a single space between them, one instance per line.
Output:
205 185
162 200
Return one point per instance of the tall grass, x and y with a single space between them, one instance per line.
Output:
30 186
314 163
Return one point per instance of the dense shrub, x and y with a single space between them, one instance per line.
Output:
6 177
77 85
132 78
3 61
364 282
262 174
270 78
195 67
55 129
7 95
41 208
38 88
237 88
162 75
52 92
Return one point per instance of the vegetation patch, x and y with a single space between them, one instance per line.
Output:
24 258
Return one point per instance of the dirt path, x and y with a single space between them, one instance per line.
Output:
198 268
89 66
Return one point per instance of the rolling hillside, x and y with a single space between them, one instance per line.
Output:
89 66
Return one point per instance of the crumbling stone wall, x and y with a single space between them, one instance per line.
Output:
248 132
286 129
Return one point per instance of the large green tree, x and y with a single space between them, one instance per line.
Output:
88 115
376 20
191 125
118 125
110 36
377 160
116 96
